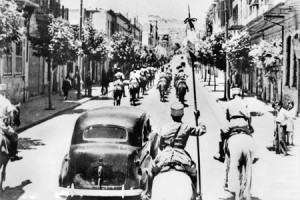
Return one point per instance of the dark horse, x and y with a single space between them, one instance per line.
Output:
181 90
143 82
12 119
117 95
162 87
134 89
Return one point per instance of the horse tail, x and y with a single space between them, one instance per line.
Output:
247 175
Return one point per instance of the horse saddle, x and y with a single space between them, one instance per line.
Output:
172 165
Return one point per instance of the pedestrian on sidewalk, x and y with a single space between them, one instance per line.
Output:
291 113
280 134
88 84
104 83
66 87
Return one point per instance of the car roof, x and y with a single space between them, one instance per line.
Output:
130 118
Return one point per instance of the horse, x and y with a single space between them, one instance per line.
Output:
134 89
239 159
117 95
162 87
143 83
13 119
172 185
181 90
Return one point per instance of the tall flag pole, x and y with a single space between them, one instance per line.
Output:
191 39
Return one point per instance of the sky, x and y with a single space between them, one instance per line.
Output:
177 9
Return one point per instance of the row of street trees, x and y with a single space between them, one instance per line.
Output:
242 55
58 42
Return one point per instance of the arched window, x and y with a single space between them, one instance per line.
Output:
295 69
288 61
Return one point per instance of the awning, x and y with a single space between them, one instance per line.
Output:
271 17
26 3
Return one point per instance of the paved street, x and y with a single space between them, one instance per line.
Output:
274 176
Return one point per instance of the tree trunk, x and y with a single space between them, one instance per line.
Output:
205 73
50 106
209 75
215 81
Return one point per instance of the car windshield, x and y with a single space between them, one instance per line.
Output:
105 133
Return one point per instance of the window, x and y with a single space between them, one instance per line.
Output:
235 13
19 65
295 72
288 61
105 133
7 64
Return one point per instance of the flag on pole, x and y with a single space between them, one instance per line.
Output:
191 37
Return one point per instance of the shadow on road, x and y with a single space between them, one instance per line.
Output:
29 144
103 98
14 193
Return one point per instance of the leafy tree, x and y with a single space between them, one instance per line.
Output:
122 48
238 48
94 43
11 25
54 41
267 56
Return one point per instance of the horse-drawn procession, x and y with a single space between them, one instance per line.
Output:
114 151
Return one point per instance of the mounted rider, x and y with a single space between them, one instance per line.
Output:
162 78
6 109
173 140
239 121
134 76
119 78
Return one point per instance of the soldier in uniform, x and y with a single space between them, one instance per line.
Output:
119 79
5 110
174 137
239 120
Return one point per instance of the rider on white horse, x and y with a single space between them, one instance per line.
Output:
119 79
134 76
5 110
174 137
239 121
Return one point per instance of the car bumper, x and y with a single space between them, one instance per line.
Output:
67 192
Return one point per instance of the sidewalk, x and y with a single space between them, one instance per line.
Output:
257 107
35 111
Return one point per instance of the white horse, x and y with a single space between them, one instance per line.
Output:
172 185
239 159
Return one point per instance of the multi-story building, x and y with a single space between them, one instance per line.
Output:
23 75
137 29
267 20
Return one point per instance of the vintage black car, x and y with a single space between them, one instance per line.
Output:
110 154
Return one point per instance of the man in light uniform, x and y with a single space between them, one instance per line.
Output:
119 76
174 137
239 120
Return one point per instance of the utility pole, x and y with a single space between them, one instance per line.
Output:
227 87
79 57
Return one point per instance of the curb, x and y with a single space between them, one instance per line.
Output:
59 112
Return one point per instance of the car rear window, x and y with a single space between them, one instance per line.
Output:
104 133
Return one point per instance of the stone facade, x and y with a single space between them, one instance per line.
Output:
267 20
